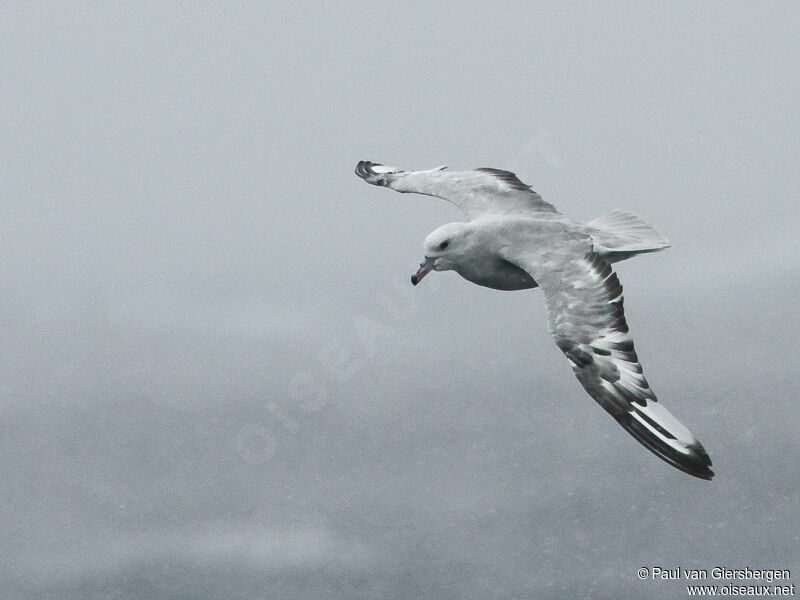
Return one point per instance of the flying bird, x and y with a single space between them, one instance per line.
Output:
514 240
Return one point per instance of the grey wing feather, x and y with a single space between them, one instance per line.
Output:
587 320
477 192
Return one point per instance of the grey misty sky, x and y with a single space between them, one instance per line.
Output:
182 234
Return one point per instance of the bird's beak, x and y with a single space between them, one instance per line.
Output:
425 267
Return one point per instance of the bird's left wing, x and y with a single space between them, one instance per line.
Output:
477 192
587 320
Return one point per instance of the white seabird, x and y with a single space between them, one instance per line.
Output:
514 240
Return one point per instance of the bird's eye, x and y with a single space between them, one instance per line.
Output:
444 245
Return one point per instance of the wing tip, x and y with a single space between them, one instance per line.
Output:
701 462
375 173
696 462
691 458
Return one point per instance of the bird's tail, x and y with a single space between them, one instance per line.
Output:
619 235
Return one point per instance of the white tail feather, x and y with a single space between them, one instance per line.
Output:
619 235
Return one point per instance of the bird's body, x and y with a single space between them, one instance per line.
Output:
494 272
514 240
481 261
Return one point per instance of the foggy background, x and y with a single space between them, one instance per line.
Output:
218 382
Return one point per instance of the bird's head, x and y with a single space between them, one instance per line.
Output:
443 248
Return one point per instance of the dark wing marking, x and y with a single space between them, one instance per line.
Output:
507 177
476 192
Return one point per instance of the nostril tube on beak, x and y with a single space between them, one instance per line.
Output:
425 267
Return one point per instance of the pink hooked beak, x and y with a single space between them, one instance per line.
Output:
425 267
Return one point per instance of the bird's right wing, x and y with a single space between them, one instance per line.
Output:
587 321
477 192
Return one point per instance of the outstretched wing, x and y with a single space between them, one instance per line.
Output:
587 319
476 192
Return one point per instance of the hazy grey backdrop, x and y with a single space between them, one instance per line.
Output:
217 382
